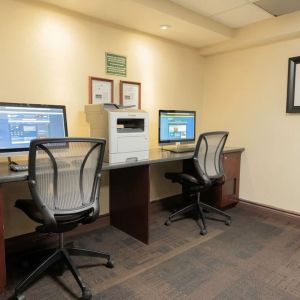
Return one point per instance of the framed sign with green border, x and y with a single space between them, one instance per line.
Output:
116 64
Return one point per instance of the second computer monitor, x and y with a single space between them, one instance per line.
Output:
176 126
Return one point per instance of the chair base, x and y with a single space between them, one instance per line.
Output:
62 256
198 208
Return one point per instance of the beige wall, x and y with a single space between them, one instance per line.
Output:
245 93
47 55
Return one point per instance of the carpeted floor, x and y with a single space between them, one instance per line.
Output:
257 257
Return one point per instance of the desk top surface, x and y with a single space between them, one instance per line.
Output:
155 156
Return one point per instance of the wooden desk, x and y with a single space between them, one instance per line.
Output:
129 193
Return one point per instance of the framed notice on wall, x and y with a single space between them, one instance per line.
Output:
101 90
293 90
130 94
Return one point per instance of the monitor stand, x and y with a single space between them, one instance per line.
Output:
181 148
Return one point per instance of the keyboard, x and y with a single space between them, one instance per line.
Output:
182 149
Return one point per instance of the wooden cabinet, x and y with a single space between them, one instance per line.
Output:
2 249
226 195
229 194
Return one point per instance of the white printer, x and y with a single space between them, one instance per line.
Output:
126 131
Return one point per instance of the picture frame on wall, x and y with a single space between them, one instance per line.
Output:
293 88
101 90
130 94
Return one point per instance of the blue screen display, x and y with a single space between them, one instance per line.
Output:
19 124
176 126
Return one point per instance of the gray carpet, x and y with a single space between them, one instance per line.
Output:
257 257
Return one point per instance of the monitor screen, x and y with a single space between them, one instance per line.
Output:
176 126
20 123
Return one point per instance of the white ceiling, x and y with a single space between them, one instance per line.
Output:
233 13
187 27
196 23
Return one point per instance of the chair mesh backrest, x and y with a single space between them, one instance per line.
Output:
208 154
65 173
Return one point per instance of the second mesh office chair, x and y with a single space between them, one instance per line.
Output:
208 173
64 180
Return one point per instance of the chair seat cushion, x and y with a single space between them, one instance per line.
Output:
191 184
65 222
182 178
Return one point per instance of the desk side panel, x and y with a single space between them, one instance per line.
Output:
130 201
2 246
231 187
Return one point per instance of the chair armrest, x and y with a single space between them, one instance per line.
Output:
189 178
48 216
223 179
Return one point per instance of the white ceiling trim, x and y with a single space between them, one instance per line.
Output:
187 15
187 27
269 31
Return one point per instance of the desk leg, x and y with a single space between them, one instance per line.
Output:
2 246
129 201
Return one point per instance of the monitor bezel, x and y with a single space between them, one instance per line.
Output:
63 107
162 142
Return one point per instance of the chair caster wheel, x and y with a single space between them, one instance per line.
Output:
168 223
228 222
86 295
19 297
203 231
110 264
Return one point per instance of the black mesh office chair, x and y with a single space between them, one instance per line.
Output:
64 180
207 173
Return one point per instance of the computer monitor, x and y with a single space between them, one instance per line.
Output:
176 126
20 123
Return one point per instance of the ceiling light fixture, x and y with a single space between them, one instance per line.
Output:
164 27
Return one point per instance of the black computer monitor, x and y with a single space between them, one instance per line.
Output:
20 123
176 126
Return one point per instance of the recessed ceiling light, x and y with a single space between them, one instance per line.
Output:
164 27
